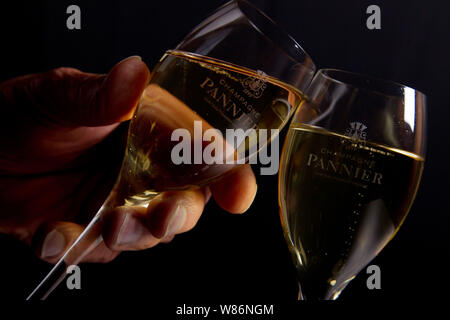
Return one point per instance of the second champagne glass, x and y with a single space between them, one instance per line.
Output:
236 70
350 169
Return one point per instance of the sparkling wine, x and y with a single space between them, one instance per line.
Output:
341 200
185 88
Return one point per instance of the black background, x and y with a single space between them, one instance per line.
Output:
243 259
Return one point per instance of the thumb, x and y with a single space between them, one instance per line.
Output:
69 97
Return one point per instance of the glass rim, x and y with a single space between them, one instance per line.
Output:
330 74
413 102
276 26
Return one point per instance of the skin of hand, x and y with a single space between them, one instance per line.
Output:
60 151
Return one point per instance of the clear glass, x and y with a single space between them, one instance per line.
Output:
236 70
350 169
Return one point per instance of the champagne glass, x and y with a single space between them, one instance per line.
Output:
350 169
235 70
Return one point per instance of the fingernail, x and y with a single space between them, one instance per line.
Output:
207 194
130 231
54 244
168 239
176 221
132 58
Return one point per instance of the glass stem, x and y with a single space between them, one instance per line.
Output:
88 240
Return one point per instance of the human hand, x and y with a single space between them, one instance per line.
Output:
60 150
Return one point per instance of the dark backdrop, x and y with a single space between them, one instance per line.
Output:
244 258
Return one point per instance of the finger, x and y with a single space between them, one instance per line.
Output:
169 213
52 240
174 212
235 191
119 94
68 96
124 229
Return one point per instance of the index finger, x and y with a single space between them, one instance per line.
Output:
235 191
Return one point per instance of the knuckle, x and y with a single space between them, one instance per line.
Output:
61 72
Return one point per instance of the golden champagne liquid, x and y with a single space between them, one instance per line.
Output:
341 200
185 88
